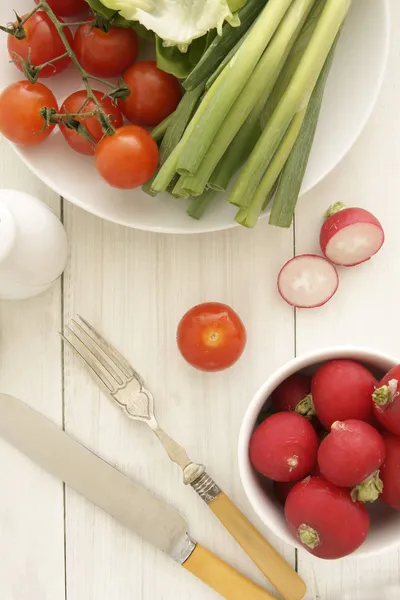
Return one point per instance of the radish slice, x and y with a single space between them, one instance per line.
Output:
308 281
350 236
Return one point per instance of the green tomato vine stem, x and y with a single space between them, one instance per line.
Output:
32 72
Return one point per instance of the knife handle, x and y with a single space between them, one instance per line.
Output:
282 576
223 578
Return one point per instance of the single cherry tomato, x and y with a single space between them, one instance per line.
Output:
20 118
154 94
67 8
105 54
128 158
211 336
72 105
42 43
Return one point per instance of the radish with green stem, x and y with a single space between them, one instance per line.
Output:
324 518
386 401
350 236
294 394
350 456
308 281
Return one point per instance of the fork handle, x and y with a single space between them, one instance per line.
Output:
282 576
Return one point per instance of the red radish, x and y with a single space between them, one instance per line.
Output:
282 489
390 471
341 390
293 394
308 281
350 236
386 401
351 456
325 519
284 447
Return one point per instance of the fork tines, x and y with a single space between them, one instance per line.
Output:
109 368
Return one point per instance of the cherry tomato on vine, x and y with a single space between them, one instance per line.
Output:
105 54
154 94
127 159
67 8
20 118
72 105
43 43
211 336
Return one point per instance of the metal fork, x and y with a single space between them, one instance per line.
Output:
124 386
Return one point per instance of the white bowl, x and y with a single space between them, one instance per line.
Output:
385 523
352 90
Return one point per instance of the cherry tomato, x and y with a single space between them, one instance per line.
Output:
154 94
211 336
43 43
72 105
105 54
20 118
67 8
127 159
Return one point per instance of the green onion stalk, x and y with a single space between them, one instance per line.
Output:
292 175
259 85
295 98
218 101
249 133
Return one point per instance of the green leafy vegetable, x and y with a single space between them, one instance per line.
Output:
177 23
171 60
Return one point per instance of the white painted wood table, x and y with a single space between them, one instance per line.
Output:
135 286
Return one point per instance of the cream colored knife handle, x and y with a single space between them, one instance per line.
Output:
223 578
282 576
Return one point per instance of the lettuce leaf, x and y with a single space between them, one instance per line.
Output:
178 22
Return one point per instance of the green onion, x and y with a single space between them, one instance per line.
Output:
259 85
158 132
247 137
234 78
169 168
178 124
199 205
179 191
226 60
296 96
273 171
293 61
221 45
294 170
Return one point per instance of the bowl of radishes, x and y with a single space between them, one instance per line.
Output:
319 452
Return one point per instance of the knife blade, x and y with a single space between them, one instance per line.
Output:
126 500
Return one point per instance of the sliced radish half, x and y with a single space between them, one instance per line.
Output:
350 236
308 281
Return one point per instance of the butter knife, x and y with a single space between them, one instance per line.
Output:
126 500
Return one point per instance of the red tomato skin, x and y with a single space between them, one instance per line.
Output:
284 447
389 415
341 390
290 392
351 453
105 54
205 320
44 43
72 104
341 524
128 158
67 8
154 94
20 118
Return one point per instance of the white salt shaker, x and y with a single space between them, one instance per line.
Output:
33 246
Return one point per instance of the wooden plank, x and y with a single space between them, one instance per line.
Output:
365 310
31 502
135 287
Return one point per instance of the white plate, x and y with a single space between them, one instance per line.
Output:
351 93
